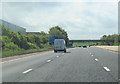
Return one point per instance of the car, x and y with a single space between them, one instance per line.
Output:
79 46
84 46
59 45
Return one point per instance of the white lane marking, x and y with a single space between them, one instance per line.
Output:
92 55
21 58
48 60
57 56
107 69
96 59
16 59
11 60
27 71
113 51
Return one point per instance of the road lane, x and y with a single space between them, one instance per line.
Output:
77 65
106 58
13 69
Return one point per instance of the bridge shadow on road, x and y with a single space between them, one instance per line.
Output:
68 52
63 52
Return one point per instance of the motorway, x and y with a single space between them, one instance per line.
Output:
77 65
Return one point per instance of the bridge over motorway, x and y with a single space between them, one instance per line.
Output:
91 41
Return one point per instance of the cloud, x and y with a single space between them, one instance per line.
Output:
84 20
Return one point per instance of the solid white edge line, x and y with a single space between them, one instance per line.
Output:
107 69
27 71
15 59
18 59
48 60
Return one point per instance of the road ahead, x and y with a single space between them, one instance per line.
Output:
77 65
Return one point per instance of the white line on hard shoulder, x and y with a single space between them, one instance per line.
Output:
27 71
107 69
16 59
113 51
11 60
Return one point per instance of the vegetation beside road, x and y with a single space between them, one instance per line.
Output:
82 44
61 33
20 52
17 43
114 37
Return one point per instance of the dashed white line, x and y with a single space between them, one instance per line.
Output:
57 56
48 60
96 59
27 71
92 55
107 69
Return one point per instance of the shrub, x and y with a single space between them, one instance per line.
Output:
5 40
32 46
11 46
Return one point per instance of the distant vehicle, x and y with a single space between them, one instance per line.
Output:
79 46
59 45
84 46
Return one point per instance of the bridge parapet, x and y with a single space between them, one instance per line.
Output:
91 41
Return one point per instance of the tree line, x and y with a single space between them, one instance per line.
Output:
114 37
18 41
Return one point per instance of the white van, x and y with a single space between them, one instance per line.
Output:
59 45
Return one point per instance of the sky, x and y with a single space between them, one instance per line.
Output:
81 20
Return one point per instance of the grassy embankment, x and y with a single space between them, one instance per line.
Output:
20 52
87 43
81 44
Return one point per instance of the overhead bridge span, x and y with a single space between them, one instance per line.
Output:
91 41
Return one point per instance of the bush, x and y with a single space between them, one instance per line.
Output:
32 46
5 40
11 46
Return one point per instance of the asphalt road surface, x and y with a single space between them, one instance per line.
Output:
77 65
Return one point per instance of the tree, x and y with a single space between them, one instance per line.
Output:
11 46
5 30
114 37
5 40
58 31
15 38
43 33
23 42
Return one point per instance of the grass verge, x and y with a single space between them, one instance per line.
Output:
20 52
82 44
